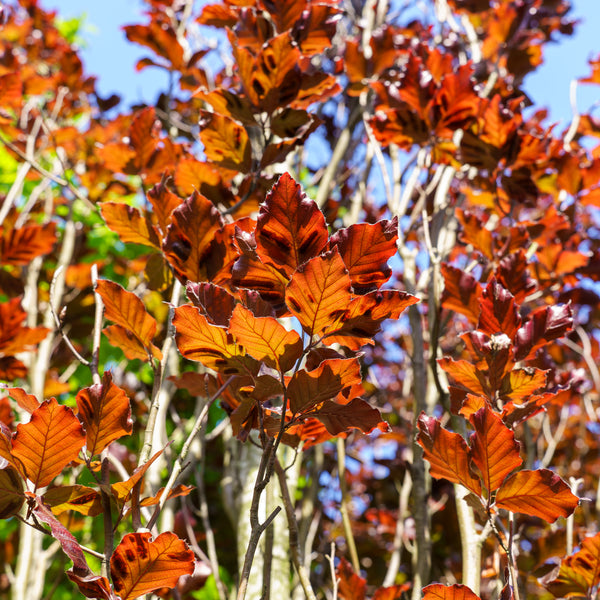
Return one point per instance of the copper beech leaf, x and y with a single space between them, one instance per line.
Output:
122 489
140 565
319 293
105 411
66 539
462 293
132 348
499 311
129 223
579 572
290 228
92 586
200 340
190 237
11 492
308 388
14 337
356 414
265 339
126 310
83 499
437 591
48 442
19 246
447 453
466 374
540 493
351 585
213 301
226 142
365 249
494 449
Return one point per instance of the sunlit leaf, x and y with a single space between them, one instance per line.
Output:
462 293
447 453
83 499
540 493
494 449
437 591
356 414
465 374
105 411
522 383
499 311
48 442
265 339
225 142
19 246
319 293
139 565
290 228
129 223
200 340
351 585
308 388
122 489
128 311
365 249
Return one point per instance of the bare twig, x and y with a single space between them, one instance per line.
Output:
341 458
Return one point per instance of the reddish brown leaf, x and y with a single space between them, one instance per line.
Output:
128 311
437 591
67 540
226 143
121 490
265 339
499 312
132 348
83 499
92 586
462 293
319 294
11 492
466 374
447 453
139 565
356 414
105 412
164 202
474 232
176 492
394 592
308 388
21 245
522 383
200 340
13 336
494 449
48 442
27 402
190 236
540 493
290 229
214 302
365 249
544 325
129 223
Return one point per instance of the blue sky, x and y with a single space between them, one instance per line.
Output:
109 56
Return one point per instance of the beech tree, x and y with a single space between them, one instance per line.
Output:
320 321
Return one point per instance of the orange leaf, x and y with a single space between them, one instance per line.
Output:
351 585
83 499
579 572
194 224
225 142
265 339
308 388
105 411
139 566
50 441
20 246
200 340
466 374
164 202
122 489
11 492
129 223
127 310
521 383
447 453
27 402
13 336
437 591
540 493
462 293
132 348
494 449
290 228
319 293
365 249
474 232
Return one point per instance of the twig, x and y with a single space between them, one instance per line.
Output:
341 458
331 561
97 327
296 551
178 466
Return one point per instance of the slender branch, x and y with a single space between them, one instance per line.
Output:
341 458
334 579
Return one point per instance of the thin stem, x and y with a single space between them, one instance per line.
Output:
341 457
